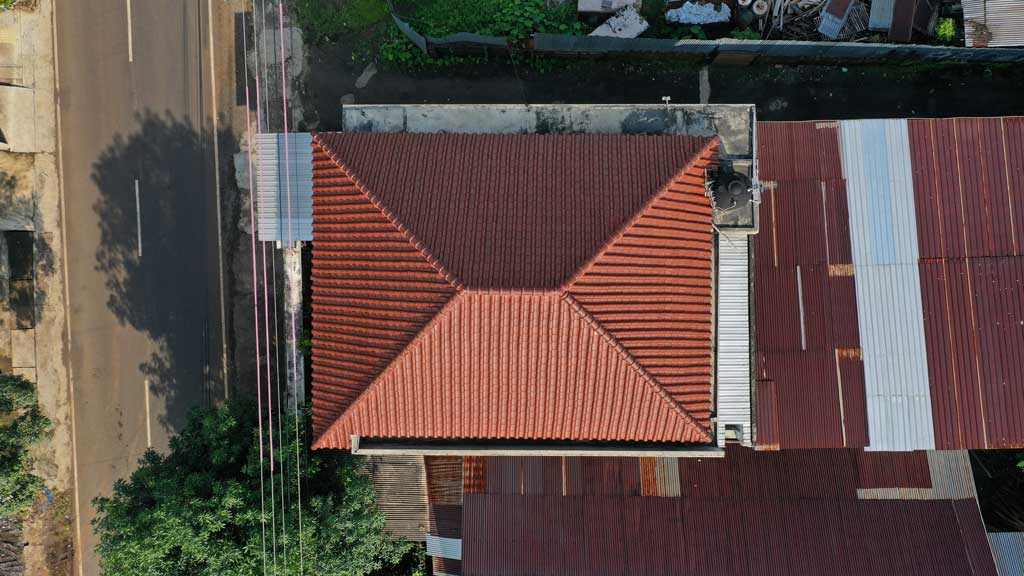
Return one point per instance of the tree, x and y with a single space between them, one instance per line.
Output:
197 510
22 425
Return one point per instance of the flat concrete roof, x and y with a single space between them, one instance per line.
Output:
733 123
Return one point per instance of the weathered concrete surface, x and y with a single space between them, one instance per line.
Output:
731 122
28 122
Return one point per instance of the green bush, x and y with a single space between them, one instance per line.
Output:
745 34
196 510
513 19
22 425
946 30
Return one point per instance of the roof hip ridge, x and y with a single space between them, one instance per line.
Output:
711 145
596 325
443 313
404 230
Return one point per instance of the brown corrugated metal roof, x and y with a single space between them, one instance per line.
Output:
969 194
806 337
402 223
788 512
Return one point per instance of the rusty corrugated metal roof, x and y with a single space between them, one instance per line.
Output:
935 211
788 512
511 233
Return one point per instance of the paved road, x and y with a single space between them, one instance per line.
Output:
138 167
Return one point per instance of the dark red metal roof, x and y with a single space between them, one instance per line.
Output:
969 196
788 512
810 378
583 261
968 185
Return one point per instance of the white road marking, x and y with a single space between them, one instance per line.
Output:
131 56
138 217
216 184
149 431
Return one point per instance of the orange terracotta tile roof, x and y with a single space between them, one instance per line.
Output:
511 287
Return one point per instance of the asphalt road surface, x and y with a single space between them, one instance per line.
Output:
141 209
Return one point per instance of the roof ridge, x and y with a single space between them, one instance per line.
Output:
443 313
591 321
436 264
711 144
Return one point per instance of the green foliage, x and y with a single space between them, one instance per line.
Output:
999 479
745 34
946 30
197 510
7 4
513 19
324 21
22 425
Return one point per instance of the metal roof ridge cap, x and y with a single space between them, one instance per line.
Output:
594 324
711 146
436 264
443 313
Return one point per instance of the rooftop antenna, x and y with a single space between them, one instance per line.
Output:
666 100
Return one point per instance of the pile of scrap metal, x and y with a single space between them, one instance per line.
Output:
623 17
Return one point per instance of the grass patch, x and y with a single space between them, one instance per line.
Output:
324 21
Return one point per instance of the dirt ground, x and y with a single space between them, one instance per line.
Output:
780 92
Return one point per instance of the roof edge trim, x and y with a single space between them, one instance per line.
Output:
365 446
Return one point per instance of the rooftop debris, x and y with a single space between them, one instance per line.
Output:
626 23
699 13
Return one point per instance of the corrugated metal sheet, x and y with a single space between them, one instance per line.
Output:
507 365
993 23
949 477
788 512
883 236
401 494
1008 549
441 547
809 369
272 187
444 479
447 567
732 365
969 185
881 15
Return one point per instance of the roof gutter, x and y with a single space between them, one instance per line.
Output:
374 447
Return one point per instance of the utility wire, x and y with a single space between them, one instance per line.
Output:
256 313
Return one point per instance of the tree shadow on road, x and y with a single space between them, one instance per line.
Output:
170 291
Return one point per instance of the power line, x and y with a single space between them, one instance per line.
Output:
256 314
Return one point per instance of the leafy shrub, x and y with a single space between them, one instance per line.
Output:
195 510
23 425
745 34
946 30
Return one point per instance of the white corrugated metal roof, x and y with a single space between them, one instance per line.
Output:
1003 19
272 191
732 367
883 237
1008 550
441 547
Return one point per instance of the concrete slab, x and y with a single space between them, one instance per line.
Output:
733 123
23 348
